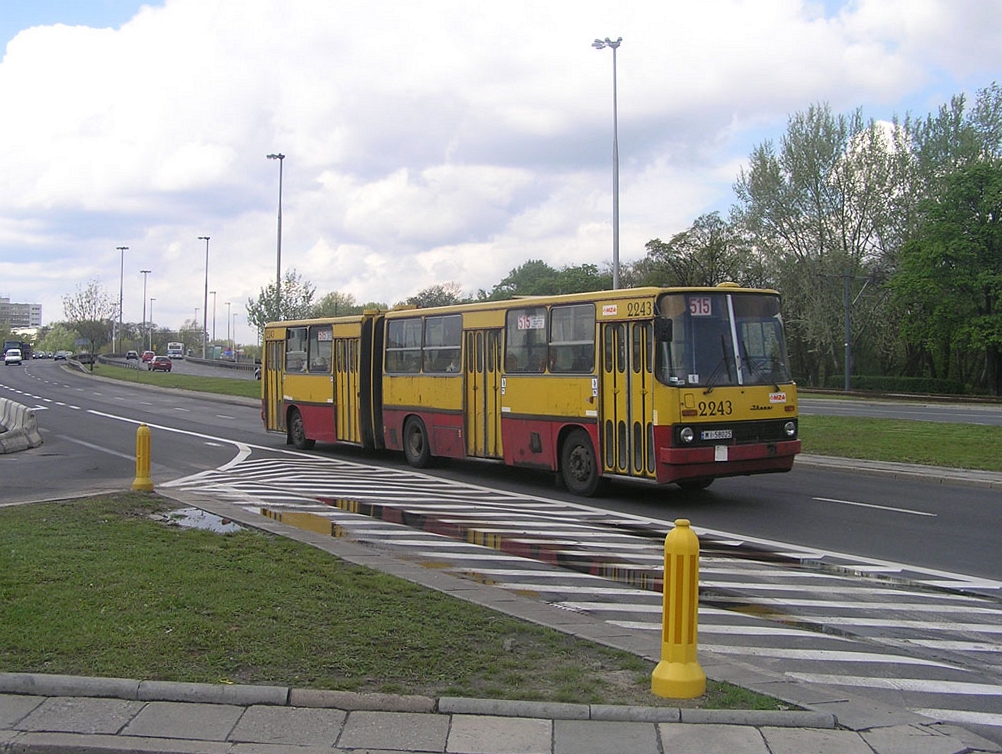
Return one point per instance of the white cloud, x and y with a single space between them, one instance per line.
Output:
425 143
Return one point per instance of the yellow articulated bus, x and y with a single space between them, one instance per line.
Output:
670 385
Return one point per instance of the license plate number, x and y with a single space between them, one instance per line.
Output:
716 434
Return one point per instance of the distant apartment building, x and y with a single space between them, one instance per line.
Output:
19 315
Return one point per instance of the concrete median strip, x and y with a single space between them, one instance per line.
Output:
20 429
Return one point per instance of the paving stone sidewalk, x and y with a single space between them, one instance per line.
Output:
72 715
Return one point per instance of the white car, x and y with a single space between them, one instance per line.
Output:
13 356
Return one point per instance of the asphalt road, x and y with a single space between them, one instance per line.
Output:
910 410
89 431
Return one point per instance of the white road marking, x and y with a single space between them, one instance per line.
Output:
873 505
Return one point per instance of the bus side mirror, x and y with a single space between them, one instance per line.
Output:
663 329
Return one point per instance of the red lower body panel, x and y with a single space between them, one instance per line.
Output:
725 460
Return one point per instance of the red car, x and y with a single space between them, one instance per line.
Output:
148 356
159 364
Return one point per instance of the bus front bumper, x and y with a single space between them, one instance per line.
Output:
725 460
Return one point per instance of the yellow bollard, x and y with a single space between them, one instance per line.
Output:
143 482
679 675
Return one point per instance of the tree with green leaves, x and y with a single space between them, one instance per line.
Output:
818 209
537 278
296 302
443 294
950 278
91 312
710 252
336 304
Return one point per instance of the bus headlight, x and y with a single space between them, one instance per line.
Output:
686 435
791 429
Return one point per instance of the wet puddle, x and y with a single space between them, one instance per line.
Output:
196 518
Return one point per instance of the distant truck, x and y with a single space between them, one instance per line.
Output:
175 350
23 347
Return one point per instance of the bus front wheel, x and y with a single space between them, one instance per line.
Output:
417 451
578 465
297 431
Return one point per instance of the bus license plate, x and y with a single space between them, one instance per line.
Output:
716 434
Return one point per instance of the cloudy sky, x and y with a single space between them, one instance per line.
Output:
429 142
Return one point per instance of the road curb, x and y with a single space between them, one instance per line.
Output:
939 474
39 684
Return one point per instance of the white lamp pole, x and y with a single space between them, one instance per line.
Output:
278 271
205 302
144 273
600 44
121 292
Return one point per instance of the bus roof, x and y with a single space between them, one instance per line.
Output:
587 296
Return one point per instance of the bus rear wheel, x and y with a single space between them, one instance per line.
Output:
297 431
578 466
417 451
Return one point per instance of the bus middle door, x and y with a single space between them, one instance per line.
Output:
346 390
483 394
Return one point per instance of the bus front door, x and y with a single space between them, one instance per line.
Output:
483 394
271 377
627 412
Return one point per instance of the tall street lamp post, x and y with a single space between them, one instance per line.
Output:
600 44
278 270
151 322
205 302
144 273
213 318
121 292
228 344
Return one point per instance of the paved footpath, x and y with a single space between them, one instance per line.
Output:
74 715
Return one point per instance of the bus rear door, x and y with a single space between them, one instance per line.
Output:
271 382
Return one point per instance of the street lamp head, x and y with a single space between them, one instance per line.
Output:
601 44
278 156
203 238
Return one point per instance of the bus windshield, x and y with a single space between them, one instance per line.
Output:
721 339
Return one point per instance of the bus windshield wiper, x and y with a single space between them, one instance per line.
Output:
711 382
752 371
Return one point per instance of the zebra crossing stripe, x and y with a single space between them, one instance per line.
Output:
964 717
918 685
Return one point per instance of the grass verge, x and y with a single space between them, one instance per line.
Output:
218 385
104 587
961 446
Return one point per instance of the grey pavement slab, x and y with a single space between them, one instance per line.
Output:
484 734
80 715
911 739
805 741
300 726
683 738
76 743
604 736
202 722
14 707
403 731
